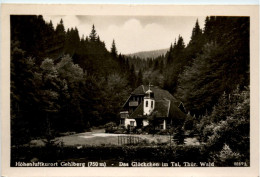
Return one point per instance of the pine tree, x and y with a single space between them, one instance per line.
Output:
196 31
180 44
170 53
174 43
60 28
132 77
60 36
171 47
196 42
113 49
51 26
93 34
139 80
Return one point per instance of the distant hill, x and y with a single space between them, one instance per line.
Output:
149 54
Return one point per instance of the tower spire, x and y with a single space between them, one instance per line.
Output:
149 102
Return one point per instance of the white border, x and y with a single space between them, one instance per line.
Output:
155 10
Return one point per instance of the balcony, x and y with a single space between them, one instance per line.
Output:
133 103
124 115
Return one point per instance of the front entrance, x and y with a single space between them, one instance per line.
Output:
161 124
122 121
139 123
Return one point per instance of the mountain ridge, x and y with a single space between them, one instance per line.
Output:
149 53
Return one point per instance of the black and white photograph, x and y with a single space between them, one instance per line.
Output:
124 91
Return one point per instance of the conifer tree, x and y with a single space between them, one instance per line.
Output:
180 44
132 77
139 80
196 42
60 28
93 34
196 32
60 36
51 25
113 49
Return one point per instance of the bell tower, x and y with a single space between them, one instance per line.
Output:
149 102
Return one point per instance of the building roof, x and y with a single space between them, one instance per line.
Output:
138 113
166 105
159 94
164 109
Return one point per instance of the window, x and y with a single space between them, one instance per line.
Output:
132 123
161 126
152 104
133 98
146 104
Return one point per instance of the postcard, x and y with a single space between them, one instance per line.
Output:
130 90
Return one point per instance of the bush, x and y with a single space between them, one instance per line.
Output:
226 157
146 129
121 131
179 136
163 132
121 127
143 142
110 124
150 130
110 127
139 131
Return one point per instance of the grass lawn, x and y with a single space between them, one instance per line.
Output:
99 137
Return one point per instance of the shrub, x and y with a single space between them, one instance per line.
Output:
121 127
179 136
146 129
226 157
207 131
110 127
139 131
143 142
163 132
120 131
110 124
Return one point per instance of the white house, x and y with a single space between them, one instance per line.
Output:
146 100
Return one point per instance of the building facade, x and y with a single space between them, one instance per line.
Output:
147 101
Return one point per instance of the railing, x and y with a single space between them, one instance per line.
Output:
133 103
128 140
124 114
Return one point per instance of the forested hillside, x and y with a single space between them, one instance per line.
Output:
148 54
210 75
216 60
63 82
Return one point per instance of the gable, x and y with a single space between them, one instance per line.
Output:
159 94
164 109
138 112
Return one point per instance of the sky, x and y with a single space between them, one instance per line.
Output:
132 33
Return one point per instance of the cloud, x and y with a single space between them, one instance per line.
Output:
132 35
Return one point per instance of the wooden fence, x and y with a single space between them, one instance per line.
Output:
128 140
